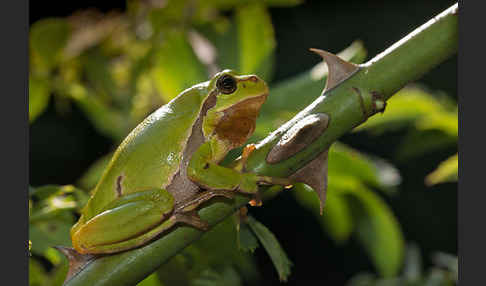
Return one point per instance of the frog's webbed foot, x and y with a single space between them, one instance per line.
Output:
261 180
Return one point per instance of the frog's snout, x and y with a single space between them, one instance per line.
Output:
250 78
254 85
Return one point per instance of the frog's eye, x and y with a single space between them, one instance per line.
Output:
226 84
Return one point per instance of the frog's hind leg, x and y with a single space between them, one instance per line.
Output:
137 241
125 223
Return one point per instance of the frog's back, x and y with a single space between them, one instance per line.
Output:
151 154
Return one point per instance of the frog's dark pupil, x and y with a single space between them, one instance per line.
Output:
226 84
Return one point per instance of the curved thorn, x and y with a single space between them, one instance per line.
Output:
77 261
339 69
314 175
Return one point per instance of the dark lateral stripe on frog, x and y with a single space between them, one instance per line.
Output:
119 186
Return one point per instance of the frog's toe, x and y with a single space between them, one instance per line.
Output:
194 203
257 200
192 219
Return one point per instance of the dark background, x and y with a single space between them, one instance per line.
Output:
62 146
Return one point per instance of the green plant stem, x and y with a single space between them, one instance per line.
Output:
364 93
414 55
348 105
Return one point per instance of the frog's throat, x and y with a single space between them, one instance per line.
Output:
237 122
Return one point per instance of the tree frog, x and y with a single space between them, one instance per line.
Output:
169 164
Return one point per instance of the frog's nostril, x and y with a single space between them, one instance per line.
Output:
253 78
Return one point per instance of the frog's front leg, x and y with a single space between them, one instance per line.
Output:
204 170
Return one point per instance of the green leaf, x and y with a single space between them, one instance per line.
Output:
51 219
176 65
438 277
38 97
53 207
362 279
273 248
151 280
430 141
219 247
256 40
431 120
283 3
44 192
347 169
37 274
53 256
449 262
58 274
228 276
247 240
47 234
215 250
54 201
99 76
446 122
48 37
349 175
105 119
224 37
336 219
377 229
145 99
170 15
412 271
180 269
445 172
345 160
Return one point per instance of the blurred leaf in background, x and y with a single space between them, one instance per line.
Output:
272 246
52 213
120 67
443 273
256 40
216 252
353 208
38 97
431 123
445 172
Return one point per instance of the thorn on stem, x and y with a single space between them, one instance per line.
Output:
339 69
